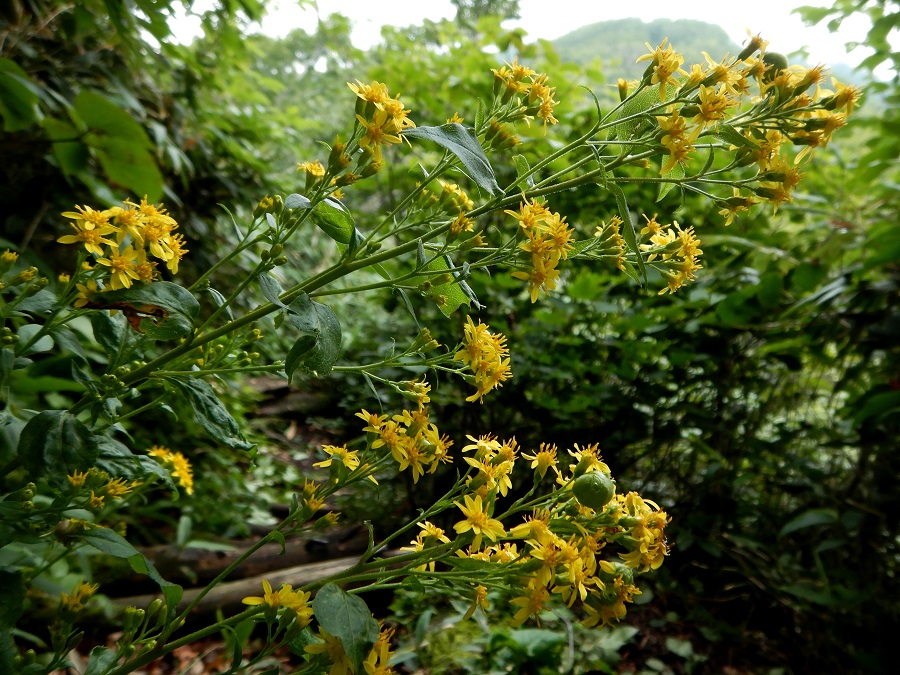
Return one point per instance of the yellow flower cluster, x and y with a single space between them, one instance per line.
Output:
101 486
514 81
75 601
789 107
487 357
412 440
548 239
140 232
295 600
177 464
563 541
677 251
382 117
612 244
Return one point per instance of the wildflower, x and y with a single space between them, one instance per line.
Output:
177 464
665 63
530 604
543 459
678 139
85 292
478 602
375 93
478 521
333 649
96 501
379 131
733 205
286 596
713 104
76 600
487 357
123 267
117 488
90 232
313 169
348 458
77 478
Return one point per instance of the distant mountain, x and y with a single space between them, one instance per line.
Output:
619 43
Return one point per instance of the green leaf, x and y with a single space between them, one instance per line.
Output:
271 289
113 334
463 143
522 168
42 344
107 541
676 171
317 321
295 201
210 413
121 145
729 134
348 618
18 99
71 155
170 309
57 444
810 518
118 460
878 406
452 290
101 660
334 219
628 232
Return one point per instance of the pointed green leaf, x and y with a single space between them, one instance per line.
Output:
170 309
463 143
209 411
334 219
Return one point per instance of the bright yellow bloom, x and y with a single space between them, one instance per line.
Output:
77 478
543 459
478 521
348 458
177 464
89 232
479 601
531 604
665 63
333 648
286 596
123 267
379 131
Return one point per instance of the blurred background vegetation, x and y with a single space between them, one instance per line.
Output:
760 408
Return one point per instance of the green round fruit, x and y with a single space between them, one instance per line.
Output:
594 489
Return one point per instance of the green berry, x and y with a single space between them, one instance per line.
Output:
594 489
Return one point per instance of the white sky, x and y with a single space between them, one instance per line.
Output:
551 19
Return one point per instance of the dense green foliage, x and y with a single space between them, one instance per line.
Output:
760 407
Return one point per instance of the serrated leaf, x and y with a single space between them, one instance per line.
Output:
209 411
348 618
55 443
463 143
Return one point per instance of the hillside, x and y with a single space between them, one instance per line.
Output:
619 43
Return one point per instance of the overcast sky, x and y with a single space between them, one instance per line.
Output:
554 18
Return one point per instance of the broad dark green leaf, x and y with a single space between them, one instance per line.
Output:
120 143
346 617
71 154
463 143
319 322
173 308
119 461
55 443
210 413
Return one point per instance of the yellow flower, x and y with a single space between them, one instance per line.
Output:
85 292
90 233
531 604
96 501
177 464
375 93
487 356
117 488
76 600
379 131
348 458
665 63
77 478
123 267
544 459
478 521
479 601
333 649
